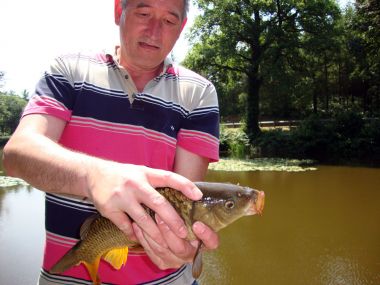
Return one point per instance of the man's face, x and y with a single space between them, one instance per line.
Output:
150 31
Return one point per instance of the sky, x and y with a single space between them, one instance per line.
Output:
35 31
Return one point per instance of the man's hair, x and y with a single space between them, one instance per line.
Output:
185 10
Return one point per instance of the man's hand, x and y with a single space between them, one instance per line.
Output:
178 251
119 191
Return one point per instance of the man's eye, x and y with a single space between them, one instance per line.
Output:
169 22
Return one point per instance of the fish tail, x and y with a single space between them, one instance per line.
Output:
67 261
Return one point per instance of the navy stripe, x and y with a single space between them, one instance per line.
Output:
65 219
119 110
54 86
197 122
94 88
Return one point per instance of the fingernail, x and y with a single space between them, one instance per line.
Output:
159 221
182 232
197 193
199 228
194 243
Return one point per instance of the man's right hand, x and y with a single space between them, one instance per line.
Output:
119 191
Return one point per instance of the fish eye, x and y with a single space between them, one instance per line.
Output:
229 204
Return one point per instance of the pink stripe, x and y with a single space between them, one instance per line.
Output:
199 135
124 147
47 105
122 128
129 274
200 147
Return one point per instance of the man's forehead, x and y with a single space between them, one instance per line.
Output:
173 4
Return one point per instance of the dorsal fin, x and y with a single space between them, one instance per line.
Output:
86 226
117 257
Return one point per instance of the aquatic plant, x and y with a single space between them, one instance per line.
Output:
263 164
6 181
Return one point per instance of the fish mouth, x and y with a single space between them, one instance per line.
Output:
257 205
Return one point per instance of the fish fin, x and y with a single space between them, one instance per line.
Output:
92 269
117 257
69 260
86 226
198 262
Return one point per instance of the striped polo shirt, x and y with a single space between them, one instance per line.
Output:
108 118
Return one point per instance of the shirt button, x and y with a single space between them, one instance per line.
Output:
126 76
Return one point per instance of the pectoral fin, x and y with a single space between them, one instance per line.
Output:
197 262
117 257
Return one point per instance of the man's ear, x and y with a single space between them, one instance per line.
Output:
118 10
183 24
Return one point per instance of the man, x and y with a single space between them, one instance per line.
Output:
108 129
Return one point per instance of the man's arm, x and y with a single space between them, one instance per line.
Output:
34 155
180 251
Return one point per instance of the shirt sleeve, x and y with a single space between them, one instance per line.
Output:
199 132
55 93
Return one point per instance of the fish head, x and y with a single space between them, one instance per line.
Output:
223 204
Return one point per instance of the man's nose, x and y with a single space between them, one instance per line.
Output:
155 28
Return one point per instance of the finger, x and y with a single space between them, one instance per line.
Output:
162 178
209 238
155 201
122 221
145 221
179 247
160 256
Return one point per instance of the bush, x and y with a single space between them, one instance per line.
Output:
234 143
345 139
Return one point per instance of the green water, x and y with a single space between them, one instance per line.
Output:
318 227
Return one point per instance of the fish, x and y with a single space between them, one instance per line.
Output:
221 204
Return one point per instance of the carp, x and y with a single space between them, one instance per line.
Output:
221 204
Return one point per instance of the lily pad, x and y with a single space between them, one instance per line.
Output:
263 164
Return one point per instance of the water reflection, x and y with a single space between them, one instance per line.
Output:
21 234
319 227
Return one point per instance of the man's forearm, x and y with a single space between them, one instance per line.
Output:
46 165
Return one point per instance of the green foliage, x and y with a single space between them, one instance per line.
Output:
263 49
348 138
290 58
234 143
11 107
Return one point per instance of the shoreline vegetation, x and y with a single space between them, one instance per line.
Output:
263 164
224 164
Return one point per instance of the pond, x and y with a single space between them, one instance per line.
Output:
318 227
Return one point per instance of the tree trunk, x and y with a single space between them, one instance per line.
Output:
253 109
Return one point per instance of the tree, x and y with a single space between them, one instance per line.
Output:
365 46
243 39
2 74
11 106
